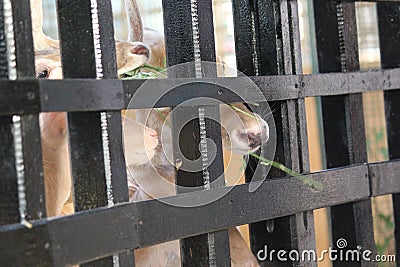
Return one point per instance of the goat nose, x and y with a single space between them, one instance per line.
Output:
255 140
141 50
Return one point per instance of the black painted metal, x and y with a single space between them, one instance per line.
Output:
389 31
139 222
86 145
247 51
9 195
31 96
267 43
199 250
343 120
272 46
23 39
10 211
30 133
3 45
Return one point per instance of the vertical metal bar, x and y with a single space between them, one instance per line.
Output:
344 130
180 49
277 50
3 44
22 182
33 184
209 249
98 165
270 37
218 241
244 36
302 224
249 18
389 30
8 183
119 185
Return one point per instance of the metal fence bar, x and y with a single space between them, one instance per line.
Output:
246 23
275 39
218 241
93 161
267 43
301 224
179 41
213 248
344 131
139 222
383 177
112 94
22 189
29 123
9 212
389 30
118 175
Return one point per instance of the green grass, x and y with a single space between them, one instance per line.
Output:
308 181
145 71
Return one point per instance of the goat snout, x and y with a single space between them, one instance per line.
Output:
139 49
255 139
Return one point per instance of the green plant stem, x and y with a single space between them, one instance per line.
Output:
243 112
314 184
147 66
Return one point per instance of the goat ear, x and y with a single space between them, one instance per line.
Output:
134 21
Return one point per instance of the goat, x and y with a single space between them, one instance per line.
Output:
141 140
241 255
130 55
241 133
157 180
139 145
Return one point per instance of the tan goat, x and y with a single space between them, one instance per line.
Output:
155 255
141 140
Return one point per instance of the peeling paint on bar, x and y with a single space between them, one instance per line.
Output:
107 161
254 45
9 29
19 165
96 39
116 260
203 148
196 37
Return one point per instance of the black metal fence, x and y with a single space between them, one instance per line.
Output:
268 49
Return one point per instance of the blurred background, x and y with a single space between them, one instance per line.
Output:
373 101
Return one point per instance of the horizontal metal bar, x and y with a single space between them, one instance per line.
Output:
19 97
104 231
384 177
32 96
81 95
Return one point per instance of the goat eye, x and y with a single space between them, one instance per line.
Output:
43 74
